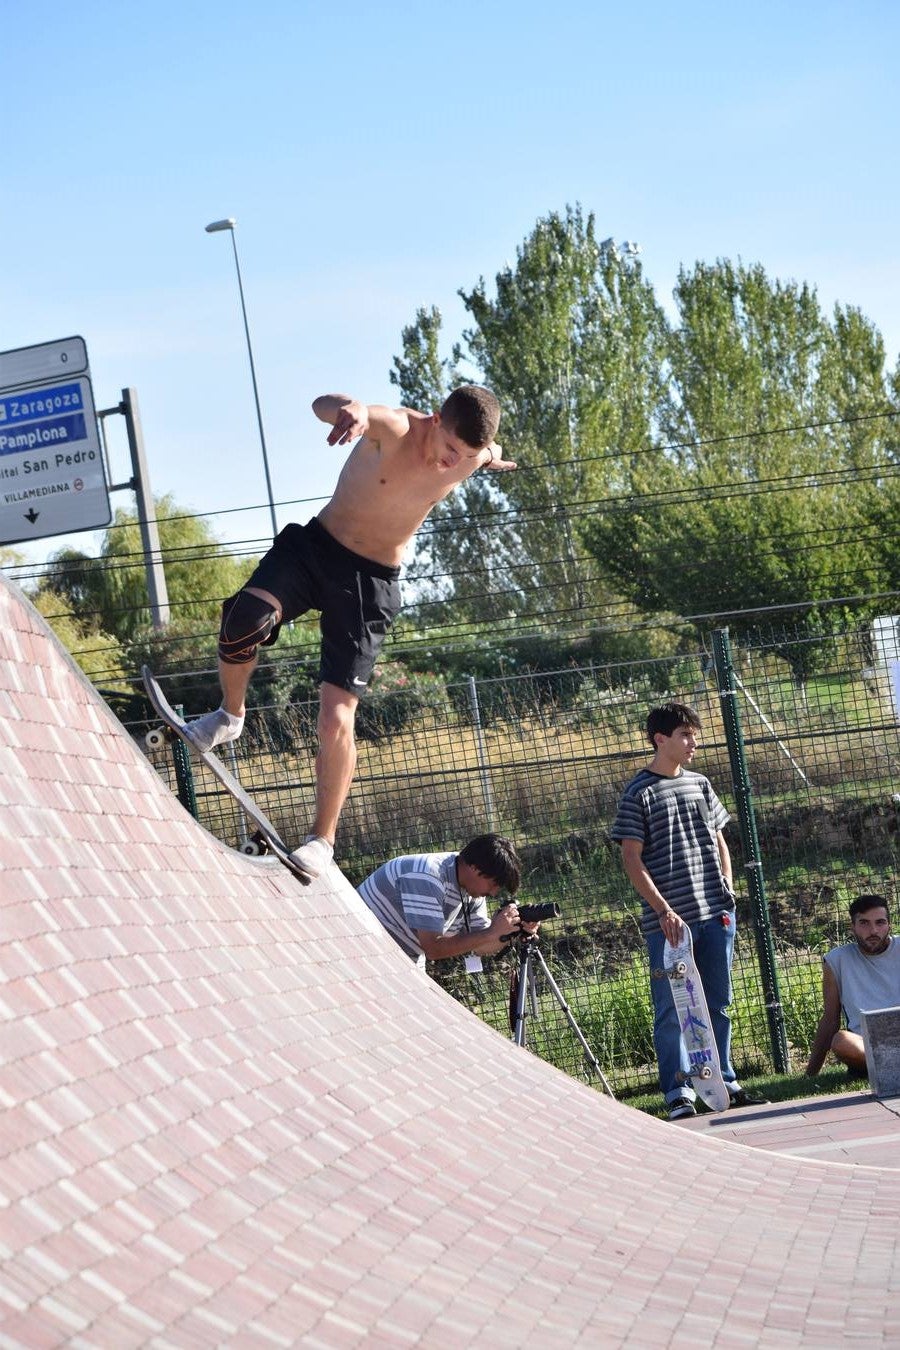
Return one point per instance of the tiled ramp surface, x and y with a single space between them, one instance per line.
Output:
233 1115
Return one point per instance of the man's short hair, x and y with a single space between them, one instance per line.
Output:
473 414
494 857
667 717
863 903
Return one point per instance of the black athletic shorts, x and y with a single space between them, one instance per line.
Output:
306 568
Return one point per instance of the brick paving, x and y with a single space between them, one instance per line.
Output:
234 1115
850 1127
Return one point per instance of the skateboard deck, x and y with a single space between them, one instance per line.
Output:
696 1028
175 725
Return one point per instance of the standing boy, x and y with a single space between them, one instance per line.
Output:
669 825
345 562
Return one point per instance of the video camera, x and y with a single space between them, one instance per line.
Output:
539 913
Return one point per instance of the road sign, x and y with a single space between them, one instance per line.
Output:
52 478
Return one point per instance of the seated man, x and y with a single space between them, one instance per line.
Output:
861 975
433 905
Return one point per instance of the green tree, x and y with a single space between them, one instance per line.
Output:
98 654
757 491
420 373
572 341
884 491
108 594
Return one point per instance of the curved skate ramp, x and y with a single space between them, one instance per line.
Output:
234 1114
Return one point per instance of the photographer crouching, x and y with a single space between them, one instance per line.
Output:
434 904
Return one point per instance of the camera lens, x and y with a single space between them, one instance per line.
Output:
538 913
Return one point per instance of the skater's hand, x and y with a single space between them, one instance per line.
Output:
351 422
496 460
672 926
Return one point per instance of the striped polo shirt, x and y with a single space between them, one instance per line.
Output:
676 820
421 890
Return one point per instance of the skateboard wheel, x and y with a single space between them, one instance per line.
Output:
255 845
155 739
704 1072
680 969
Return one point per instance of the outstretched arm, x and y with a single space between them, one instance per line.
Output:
496 460
351 419
829 1023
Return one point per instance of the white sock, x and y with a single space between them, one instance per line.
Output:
214 728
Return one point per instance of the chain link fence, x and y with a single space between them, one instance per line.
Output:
543 758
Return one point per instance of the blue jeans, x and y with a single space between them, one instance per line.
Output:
713 952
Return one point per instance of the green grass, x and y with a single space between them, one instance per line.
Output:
777 1087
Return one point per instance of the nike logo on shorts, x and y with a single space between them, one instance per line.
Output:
359 682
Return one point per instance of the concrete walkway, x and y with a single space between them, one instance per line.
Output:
850 1127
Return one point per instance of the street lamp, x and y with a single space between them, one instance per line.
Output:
214 228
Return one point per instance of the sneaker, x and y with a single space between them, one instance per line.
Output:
314 854
681 1108
742 1098
215 728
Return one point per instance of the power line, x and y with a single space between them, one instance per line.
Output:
701 441
547 565
665 447
461 641
519 515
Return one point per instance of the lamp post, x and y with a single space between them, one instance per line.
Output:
216 227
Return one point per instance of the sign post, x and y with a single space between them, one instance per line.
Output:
52 478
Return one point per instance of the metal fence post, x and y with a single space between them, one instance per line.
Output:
184 774
759 909
482 753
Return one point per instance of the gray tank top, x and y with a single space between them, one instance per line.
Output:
865 982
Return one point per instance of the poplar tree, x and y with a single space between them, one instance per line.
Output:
753 503
572 341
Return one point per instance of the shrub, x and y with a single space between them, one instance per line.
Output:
396 697
616 1015
384 820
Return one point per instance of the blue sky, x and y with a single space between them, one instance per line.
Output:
379 157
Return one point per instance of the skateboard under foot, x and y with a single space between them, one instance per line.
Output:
266 839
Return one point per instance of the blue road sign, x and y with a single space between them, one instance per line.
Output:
52 476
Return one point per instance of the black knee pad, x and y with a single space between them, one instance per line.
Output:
248 622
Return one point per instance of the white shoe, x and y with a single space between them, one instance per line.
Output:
314 855
215 728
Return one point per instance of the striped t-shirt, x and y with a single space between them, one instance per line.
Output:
677 820
420 890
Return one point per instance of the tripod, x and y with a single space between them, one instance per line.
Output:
530 954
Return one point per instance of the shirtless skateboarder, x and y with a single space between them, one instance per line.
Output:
345 562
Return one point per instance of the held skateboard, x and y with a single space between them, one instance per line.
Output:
267 839
696 1029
